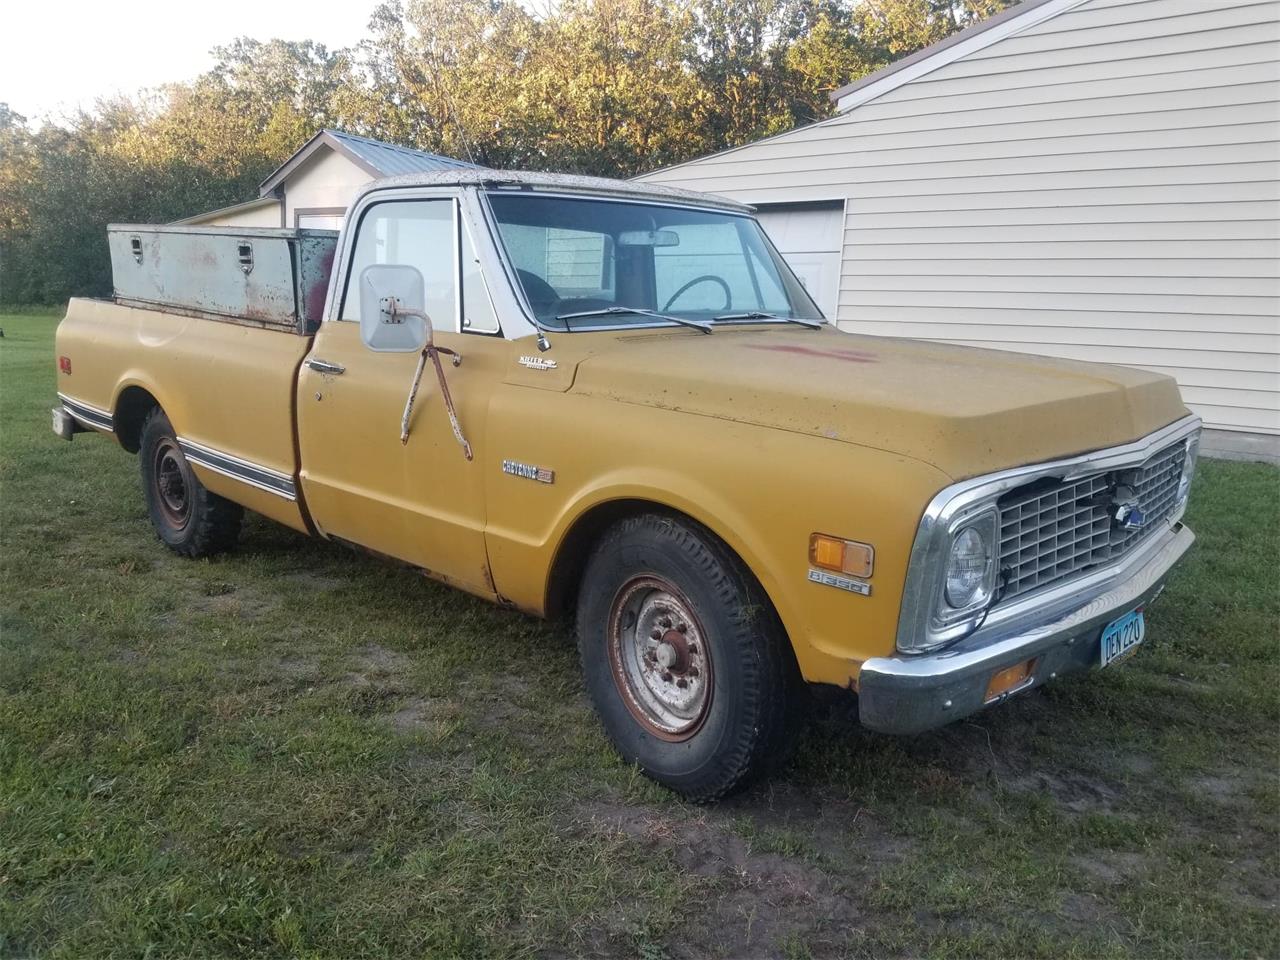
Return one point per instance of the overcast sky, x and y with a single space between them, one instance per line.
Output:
58 54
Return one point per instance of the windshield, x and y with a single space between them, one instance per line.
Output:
587 263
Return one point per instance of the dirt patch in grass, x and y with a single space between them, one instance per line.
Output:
298 668
377 666
803 822
242 605
1248 885
1110 867
314 582
1074 792
423 715
1229 788
373 658
504 702
754 904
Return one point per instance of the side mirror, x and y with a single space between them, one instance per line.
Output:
381 331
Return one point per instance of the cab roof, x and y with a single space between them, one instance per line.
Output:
556 183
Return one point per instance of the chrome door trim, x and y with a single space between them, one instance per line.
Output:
351 228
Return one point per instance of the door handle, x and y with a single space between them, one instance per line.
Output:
324 366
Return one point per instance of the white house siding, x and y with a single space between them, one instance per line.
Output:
1102 185
322 188
252 214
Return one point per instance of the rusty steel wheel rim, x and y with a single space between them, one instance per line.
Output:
173 483
659 658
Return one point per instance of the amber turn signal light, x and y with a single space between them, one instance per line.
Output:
1010 678
841 556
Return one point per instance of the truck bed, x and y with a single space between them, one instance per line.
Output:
227 388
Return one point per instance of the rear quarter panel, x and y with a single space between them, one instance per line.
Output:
226 386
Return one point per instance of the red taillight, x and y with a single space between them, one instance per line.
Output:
64 364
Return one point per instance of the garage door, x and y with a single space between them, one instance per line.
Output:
316 221
808 235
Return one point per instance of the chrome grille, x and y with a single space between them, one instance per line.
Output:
1051 530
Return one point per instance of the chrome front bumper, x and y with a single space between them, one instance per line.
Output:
909 694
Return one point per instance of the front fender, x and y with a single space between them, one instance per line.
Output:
761 490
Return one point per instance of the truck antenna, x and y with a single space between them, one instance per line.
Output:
543 343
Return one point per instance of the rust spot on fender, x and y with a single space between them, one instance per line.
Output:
849 356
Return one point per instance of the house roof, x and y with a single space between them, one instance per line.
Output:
376 158
935 48
234 208
969 39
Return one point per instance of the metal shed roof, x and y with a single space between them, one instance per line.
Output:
376 158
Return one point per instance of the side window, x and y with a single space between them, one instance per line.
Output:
420 233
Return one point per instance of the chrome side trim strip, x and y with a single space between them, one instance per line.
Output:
255 475
88 414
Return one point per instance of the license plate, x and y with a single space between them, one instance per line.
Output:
1120 637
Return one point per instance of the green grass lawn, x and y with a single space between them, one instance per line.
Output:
299 751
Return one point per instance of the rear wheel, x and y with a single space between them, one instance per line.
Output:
686 662
187 517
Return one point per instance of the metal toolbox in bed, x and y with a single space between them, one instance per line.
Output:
273 278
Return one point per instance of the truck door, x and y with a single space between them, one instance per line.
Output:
421 501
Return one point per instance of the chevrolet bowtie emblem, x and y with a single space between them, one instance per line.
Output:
1125 512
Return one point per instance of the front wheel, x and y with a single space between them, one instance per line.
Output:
686 662
187 517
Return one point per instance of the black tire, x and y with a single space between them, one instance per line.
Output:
187 518
680 580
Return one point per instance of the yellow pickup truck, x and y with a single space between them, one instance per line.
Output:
615 403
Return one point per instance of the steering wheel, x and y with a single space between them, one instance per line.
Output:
705 278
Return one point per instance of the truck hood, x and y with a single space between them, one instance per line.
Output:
964 410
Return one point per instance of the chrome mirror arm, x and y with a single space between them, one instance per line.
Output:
391 308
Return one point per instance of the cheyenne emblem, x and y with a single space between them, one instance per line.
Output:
537 363
528 471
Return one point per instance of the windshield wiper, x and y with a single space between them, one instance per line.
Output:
760 315
636 311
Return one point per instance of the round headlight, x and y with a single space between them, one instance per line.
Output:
967 569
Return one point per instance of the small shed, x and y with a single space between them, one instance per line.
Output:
314 186
1090 179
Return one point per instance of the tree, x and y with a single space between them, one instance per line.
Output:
608 87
